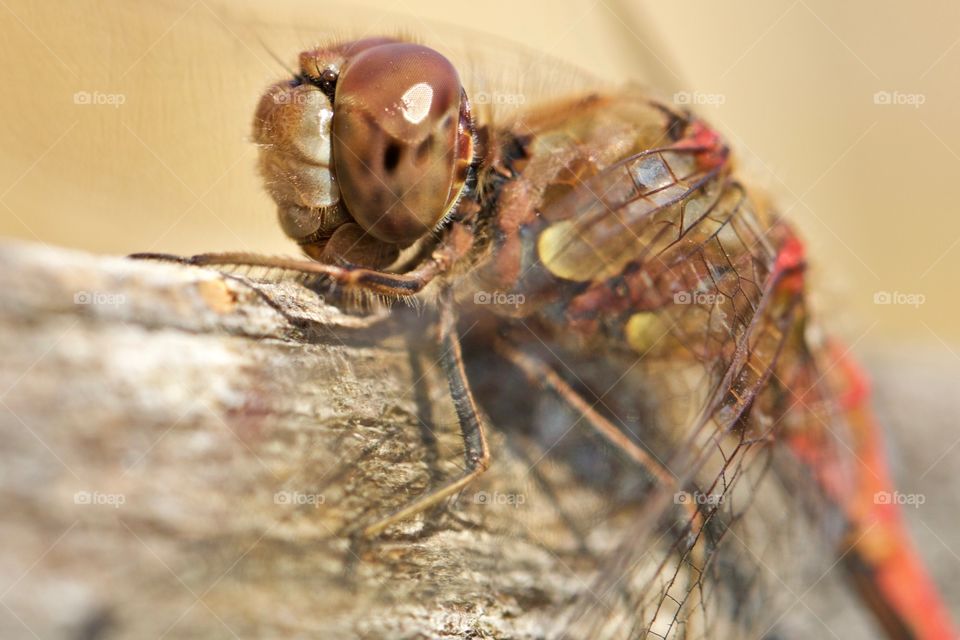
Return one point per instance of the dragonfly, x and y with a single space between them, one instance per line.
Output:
601 247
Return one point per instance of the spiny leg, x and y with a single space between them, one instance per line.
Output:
393 285
424 414
476 451
455 243
542 375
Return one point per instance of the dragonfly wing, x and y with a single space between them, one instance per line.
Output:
679 268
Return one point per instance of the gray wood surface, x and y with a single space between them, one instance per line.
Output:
182 459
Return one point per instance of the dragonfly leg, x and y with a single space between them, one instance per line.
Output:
476 451
543 376
394 285
456 242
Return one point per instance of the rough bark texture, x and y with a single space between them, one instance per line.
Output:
182 458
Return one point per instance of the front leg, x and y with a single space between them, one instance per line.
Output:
392 285
476 452
455 244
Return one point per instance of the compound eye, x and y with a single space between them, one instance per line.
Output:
398 139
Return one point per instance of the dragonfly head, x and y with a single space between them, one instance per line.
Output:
375 133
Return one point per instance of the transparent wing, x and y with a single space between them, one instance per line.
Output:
698 295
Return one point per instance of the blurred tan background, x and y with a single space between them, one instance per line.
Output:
125 127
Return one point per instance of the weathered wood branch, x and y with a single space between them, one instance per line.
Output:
186 454
182 458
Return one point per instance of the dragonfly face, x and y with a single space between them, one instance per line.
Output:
367 149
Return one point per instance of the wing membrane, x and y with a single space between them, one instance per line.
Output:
700 292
